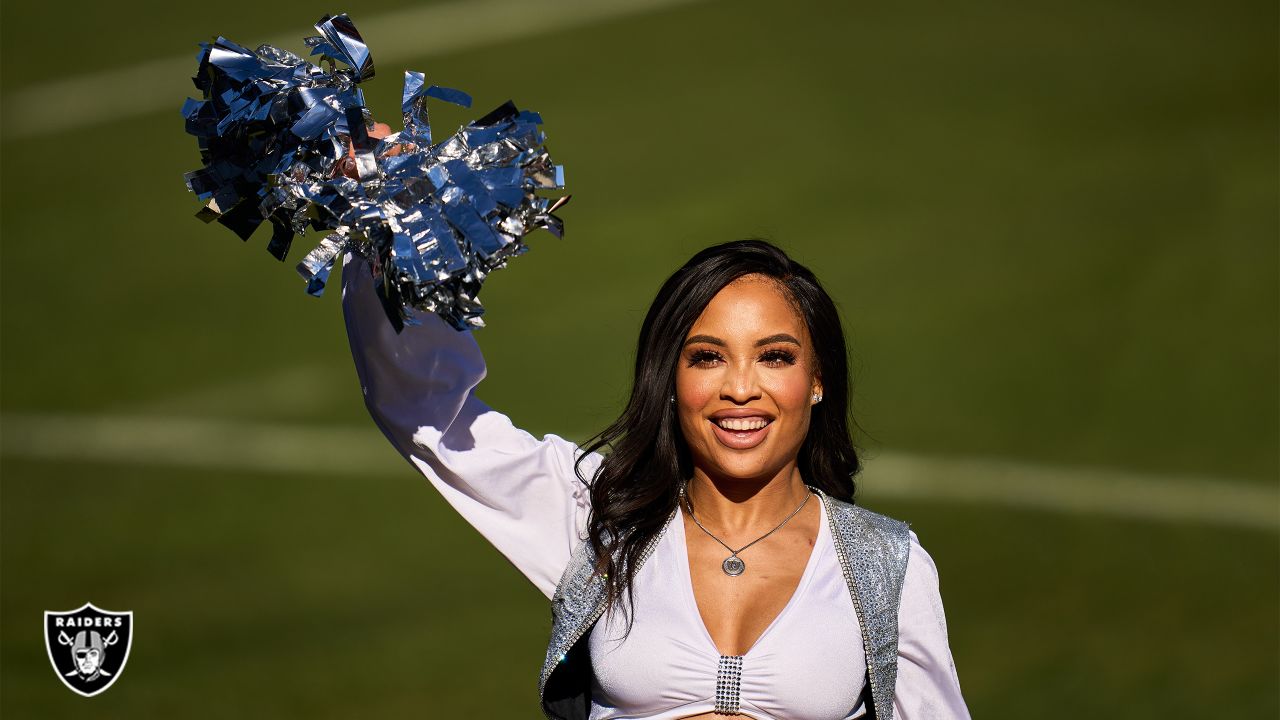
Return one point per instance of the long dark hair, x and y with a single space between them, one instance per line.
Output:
637 486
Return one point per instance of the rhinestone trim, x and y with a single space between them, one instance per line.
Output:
579 601
729 685
872 550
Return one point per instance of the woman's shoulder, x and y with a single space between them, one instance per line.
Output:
892 539
857 516
886 534
879 542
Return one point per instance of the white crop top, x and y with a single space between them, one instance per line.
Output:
807 664
521 493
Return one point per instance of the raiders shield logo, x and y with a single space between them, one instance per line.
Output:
88 646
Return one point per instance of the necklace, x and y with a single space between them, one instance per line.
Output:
733 564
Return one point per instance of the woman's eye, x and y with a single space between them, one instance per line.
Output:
703 358
778 358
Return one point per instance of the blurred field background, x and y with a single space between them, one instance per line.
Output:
1052 230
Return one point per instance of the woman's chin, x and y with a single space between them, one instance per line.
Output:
746 470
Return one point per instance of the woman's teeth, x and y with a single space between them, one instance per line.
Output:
742 424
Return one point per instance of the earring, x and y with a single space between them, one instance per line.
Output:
817 398
673 398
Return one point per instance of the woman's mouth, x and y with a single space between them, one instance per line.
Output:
741 433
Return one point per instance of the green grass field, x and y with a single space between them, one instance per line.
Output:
1052 231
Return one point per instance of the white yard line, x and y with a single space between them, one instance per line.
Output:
412 34
236 445
1082 490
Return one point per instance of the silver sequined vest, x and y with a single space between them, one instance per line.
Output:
872 549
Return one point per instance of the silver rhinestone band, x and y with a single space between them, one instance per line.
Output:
728 684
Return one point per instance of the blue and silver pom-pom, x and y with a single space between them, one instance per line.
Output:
432 219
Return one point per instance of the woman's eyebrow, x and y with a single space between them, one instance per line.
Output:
712 340
709 339
780 337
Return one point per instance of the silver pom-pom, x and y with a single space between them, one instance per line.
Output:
288 142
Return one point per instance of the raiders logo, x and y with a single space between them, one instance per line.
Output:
88 646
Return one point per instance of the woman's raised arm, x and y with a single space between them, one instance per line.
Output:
520 492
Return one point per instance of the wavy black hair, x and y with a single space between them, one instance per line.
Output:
637 486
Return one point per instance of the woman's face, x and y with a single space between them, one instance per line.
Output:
745 383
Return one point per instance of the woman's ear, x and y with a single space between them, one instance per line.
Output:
816 396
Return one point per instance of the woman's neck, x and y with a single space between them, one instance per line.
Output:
735 505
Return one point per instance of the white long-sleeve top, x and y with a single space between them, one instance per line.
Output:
522 494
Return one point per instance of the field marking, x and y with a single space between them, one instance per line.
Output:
1078 490
238 445
412 34
299 387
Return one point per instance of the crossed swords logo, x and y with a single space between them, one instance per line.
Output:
88 650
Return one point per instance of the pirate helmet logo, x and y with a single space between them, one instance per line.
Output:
88 646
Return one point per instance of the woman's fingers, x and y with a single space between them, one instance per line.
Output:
347 165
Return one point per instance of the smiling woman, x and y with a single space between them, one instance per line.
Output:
703 554
741 387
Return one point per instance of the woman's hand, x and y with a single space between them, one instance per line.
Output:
347 165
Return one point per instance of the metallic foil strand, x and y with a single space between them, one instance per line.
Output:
287 142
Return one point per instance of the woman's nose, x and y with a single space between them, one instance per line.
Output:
740 384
